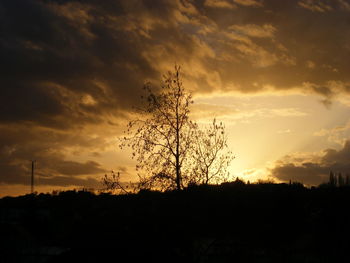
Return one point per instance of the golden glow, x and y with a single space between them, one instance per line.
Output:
275 74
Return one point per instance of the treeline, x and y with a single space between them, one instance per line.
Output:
338 180
231 222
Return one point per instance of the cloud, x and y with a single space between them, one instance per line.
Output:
21 144
71 71
310 64
253 3
322 6
335 135
205 112
344 5
56 54
264 31
209 111
284 131
315 5
332 89
219 4
51 171
313 170
67 50
306 173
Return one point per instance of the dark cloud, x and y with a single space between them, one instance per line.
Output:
52 52
306 173
317 171
21 144
300 36
61 173
55 52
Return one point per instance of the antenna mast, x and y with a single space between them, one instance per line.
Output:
32 179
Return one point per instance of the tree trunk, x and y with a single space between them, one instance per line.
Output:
177 157
178 168
178 175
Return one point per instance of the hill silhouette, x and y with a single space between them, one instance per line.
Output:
232 222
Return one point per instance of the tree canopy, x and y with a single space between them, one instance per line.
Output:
171 150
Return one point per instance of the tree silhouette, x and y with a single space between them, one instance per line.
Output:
112 183
341 181
211 159
162 135
171 150
332 179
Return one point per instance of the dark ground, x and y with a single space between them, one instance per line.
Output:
227 223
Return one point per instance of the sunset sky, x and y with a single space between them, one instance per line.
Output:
275 72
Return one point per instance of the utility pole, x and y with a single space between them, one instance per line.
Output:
32 179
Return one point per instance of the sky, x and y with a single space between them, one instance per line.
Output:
275 72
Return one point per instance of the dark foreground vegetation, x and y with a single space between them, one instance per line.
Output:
234 222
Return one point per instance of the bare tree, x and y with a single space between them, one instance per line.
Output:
211 155
162 135
112 183
172 151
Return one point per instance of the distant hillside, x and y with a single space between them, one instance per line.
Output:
232 222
